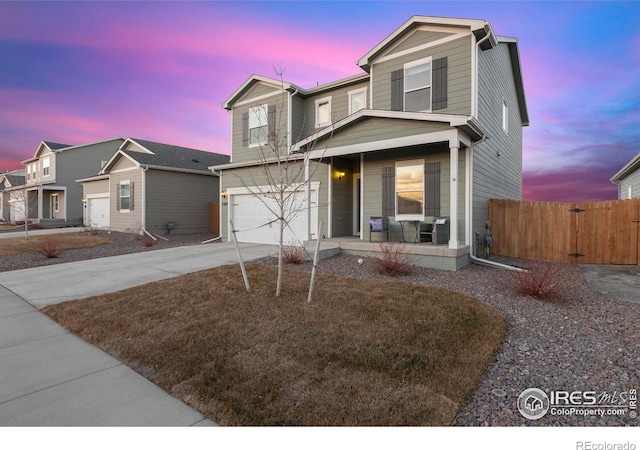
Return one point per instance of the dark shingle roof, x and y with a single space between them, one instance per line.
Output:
15 180
176 157
55 145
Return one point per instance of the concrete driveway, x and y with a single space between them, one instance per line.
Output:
51 377
616 282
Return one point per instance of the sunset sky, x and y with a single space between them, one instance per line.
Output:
80 72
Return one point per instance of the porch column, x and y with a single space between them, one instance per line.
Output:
453 190
40 205
307 187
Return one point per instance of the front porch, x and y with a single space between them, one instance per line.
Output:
423 254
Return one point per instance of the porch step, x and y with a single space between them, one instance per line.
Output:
327 249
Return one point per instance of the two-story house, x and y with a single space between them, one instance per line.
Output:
431 129
50 195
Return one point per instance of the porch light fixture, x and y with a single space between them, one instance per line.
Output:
223 194
341 175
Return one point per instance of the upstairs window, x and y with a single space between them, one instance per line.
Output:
258 125
505 117
45 166
417 85
410 190
28 172
323 112
357 100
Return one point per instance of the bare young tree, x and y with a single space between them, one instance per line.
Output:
287 173
21 205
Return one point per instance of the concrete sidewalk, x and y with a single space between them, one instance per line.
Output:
51 377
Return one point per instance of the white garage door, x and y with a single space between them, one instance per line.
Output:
254 221
16 211
98 212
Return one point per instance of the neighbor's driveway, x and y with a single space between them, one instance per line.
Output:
57 283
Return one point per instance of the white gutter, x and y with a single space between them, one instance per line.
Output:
486 262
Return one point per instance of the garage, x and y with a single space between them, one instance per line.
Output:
16 210
98 212
254 220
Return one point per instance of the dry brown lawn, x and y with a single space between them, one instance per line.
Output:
366 352
16 246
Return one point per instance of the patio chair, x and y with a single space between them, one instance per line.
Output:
437 232
379 224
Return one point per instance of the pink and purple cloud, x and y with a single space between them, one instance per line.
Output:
82 72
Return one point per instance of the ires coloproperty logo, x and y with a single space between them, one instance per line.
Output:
534 403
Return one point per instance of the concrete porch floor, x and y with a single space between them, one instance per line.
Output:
424 254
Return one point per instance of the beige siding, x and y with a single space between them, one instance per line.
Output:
181 198
130 221
459 70
96 187
256 176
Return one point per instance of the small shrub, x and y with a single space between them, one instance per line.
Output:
147 241
292 254
49 249
393 259
544 280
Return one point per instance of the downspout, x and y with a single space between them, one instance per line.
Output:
144 203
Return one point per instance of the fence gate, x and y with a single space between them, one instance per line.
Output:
585 233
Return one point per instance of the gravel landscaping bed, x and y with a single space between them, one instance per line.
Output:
586 343
120 244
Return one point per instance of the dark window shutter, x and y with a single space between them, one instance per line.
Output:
397 90
439 74
131 195
245 129
432 189
117 197
271 121
388 191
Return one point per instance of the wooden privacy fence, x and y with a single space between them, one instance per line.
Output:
584 233
214 218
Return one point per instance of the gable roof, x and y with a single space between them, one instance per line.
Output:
155 155
627 170
58 148
15 178
481 29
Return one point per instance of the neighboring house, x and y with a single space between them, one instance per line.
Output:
628 179
431 128
154 187
50 194
8 211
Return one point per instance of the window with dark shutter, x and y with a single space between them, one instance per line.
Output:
271 122
388 191
432 189
397 90
245 129
439 76
117 197
131 196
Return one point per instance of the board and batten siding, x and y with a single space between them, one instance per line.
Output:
181 198
459 79
123 221
372 185
497 162
255 176
277 97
